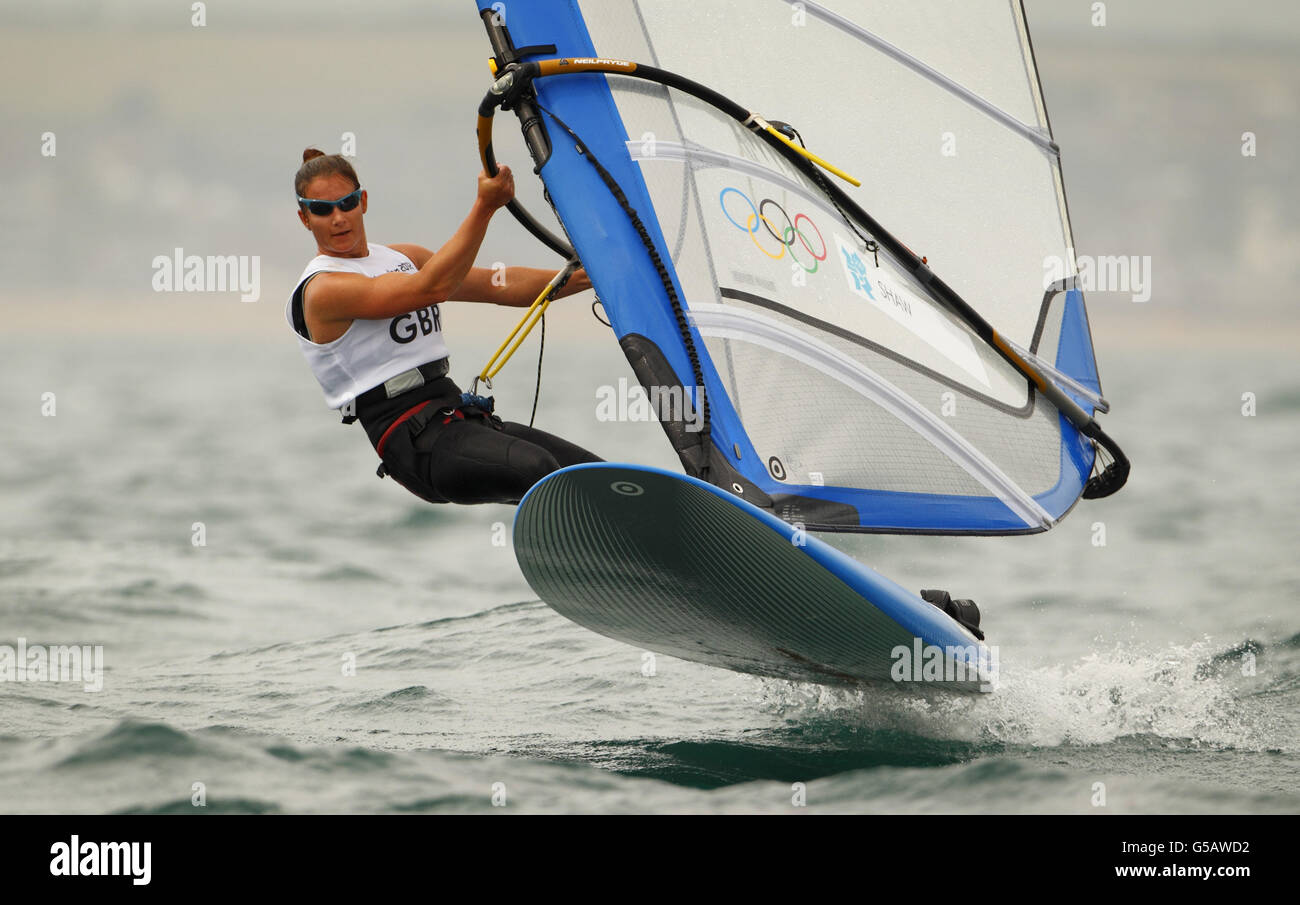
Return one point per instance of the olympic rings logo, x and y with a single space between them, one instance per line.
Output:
785 238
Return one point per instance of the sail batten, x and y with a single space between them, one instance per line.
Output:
1041 138
724 323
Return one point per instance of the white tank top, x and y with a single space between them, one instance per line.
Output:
371 351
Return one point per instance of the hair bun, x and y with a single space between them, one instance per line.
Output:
316 163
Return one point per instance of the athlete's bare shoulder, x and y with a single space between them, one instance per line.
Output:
418 254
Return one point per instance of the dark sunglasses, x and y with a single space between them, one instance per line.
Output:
325 208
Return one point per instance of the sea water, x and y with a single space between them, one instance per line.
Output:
286 633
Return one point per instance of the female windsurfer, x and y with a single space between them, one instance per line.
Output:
368 321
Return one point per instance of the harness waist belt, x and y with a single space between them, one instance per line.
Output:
396 386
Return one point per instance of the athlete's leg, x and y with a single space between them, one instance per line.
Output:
565 453
472 462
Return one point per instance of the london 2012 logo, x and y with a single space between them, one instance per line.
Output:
778 238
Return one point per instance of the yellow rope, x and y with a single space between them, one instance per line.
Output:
530 319
830 168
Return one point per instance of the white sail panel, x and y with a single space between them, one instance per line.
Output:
977 199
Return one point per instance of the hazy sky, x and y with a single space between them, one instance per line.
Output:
169 135
1208 21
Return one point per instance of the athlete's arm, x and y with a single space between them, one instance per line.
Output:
345 297
519 288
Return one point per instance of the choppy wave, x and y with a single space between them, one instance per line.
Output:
439 711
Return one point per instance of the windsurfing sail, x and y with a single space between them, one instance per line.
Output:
909 354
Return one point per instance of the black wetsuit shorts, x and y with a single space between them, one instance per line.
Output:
446 452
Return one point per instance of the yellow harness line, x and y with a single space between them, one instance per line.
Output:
530 319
